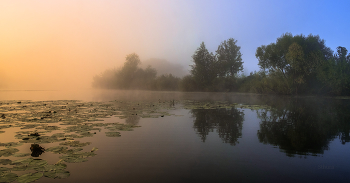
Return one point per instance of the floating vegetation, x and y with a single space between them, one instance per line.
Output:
8 152
59 122
8 177
75 144
54 126
112 134
29 177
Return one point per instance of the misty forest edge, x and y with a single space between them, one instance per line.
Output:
293 65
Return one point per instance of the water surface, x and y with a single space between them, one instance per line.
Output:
206 137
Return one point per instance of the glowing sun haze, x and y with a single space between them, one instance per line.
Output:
55 44
62 44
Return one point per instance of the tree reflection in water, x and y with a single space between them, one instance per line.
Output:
227 122
305 127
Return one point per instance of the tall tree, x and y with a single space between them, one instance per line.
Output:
128 72
296 58
229 58
203 68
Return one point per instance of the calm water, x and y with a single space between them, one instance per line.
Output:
291 140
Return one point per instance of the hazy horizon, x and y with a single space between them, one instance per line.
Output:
61 44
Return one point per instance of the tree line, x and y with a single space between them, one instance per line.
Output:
293 65
132 76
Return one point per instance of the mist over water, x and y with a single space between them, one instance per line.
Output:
131 95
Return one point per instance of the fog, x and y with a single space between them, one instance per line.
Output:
62 44
164 67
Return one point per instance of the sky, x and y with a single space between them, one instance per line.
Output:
60 44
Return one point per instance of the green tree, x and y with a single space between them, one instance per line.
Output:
203 71
127 74
229 58
296 58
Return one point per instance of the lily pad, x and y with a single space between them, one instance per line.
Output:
75 144
22 161
4 169
29 177
73 159
57 149
8 177
11 144
8 152
46 168
5 161
57 174
112 134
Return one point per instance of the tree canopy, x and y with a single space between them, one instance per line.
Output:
216 72
229 58
295 58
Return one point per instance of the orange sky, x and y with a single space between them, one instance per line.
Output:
59 44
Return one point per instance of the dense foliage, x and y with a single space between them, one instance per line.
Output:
293 65
215 72
301 65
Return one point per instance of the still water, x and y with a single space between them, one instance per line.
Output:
192 137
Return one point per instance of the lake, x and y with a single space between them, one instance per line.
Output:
142 136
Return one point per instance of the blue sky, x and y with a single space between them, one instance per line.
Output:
256 23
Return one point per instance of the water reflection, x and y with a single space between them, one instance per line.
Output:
304 127
227 122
